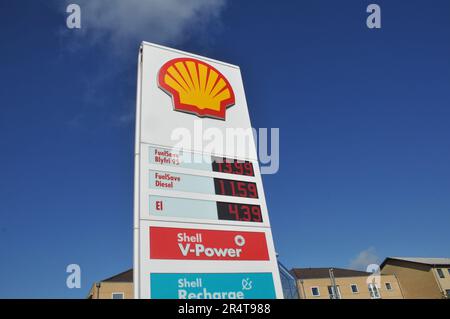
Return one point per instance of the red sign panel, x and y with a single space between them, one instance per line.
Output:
203 244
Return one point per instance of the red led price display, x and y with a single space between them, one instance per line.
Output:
229 166
229 187
239 212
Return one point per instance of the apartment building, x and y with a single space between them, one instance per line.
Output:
420 278
119 286
338 283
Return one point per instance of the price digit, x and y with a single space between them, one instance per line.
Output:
222 186
249 169
243 192
252 190
246 210
233 210
256 212
239 169
229 168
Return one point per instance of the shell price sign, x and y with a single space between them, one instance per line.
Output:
201 225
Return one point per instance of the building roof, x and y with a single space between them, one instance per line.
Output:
315 273
126 276
424 261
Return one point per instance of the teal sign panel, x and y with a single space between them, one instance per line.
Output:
212 286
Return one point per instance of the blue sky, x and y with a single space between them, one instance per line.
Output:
363 117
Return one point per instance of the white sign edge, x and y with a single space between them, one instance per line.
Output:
137 170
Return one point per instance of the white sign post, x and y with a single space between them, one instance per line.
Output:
201 226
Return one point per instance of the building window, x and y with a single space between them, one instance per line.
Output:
117 295
448 271
388 286
354 288
333 294
447 293
315 291
440 273
374 292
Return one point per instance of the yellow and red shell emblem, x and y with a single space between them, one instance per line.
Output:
196 87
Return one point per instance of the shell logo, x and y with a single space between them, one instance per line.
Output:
196 87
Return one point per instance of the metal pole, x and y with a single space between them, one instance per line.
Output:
98 290
333 284
303 289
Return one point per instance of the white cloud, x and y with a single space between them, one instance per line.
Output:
120 26
163 21
365 258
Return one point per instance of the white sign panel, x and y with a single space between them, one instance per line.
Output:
201 226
